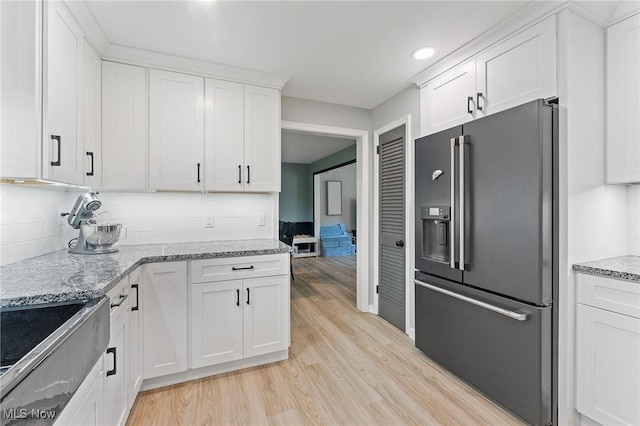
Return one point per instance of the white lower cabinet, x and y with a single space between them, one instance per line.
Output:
238 319
164 316
608 350
86 407
116 359
135 338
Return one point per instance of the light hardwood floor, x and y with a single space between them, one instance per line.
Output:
345 368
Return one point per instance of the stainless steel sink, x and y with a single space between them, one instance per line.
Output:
46 351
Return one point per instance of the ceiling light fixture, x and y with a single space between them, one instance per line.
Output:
423 53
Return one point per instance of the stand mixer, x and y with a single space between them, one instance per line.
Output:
92 238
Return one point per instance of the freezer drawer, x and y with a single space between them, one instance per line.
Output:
500 346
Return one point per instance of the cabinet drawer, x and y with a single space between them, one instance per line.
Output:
118 298
230 268
613 295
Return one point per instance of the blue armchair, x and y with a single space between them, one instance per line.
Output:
334 241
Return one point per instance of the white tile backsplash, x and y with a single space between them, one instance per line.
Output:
29 218
633 217
29 221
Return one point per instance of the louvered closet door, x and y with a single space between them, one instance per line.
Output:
391 302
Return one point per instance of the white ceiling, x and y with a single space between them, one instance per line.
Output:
305 148
355 53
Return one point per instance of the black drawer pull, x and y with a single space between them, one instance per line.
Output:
58 139
237 297
120 301
137 307
248 174
469 101
198 172
239 173
248 297
242 268
112 372
90 154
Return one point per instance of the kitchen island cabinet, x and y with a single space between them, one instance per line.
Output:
608 345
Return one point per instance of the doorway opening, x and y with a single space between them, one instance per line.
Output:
362 173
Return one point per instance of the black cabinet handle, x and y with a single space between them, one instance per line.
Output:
58 139
120 301
137 307
112 351
198 172
400 243
239 173
469 101
247 296
241 268
248 174
478 96
237 297
90 154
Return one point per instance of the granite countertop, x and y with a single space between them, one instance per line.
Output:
623 268
62 276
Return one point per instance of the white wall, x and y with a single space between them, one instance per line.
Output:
29 218
593 216
29 221
633 219
346 175
326 114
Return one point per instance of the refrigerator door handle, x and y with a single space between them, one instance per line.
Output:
461 143
519 316
452 223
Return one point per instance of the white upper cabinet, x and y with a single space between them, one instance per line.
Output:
447 100
261 139
517 70
124 126
224 135
623 102
176 131
63 158
242 137
20 85
91 116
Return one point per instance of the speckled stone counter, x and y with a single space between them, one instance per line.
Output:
622 268
61 276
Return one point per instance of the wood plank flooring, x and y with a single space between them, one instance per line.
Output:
345 368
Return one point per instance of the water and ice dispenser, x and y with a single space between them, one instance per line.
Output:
435 233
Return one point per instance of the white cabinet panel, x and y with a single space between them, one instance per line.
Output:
517 70
20 85
224 135
164 313
62 156
176 131
135 338
266 315
222 269
623 102
261 139
216 325
124 126
86 407
116 367
91 116
608 367
444 102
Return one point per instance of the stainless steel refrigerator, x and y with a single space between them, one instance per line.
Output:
486 255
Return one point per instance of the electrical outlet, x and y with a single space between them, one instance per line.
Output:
262 220
210 222
62 217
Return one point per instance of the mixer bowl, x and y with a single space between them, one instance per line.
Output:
102 236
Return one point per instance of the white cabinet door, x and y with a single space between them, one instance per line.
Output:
86 407
91 116
176 131
164 315
20 85
116 369
261 139
623 101
63 156
216 322
448 100
519 69
224 135
608 367
135 338
266 315
124 126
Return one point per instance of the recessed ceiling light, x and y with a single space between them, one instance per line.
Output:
423 53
